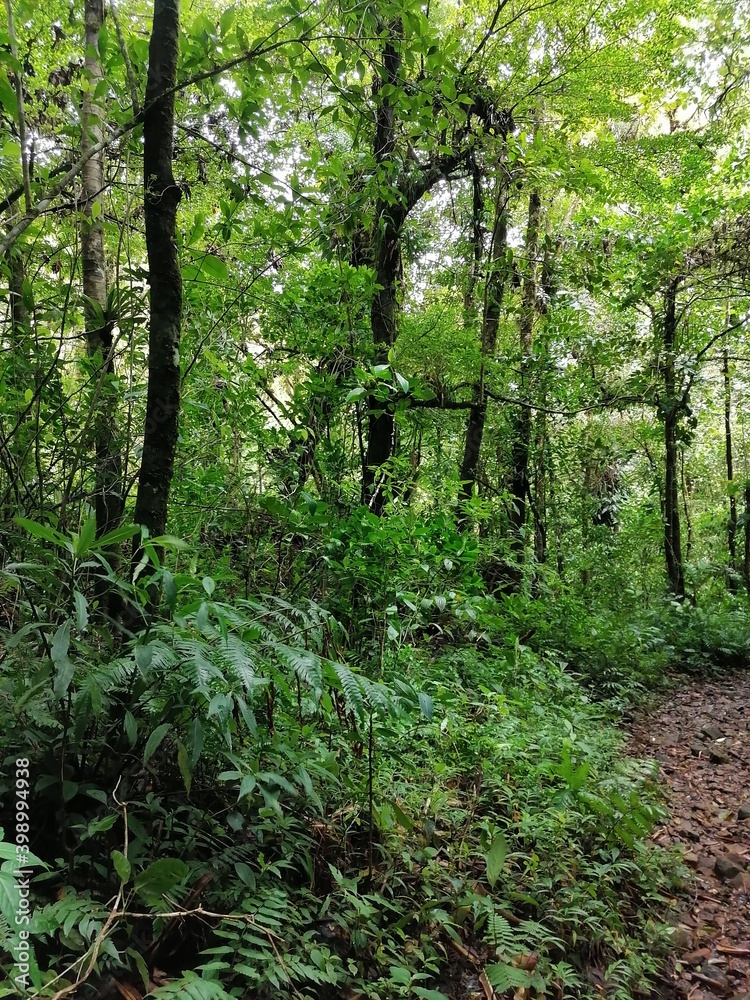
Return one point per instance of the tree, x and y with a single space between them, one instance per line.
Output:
108 490
161 198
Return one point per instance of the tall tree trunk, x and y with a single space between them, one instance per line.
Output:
540 489
519 478
387 253
494 290
746 552
161 199
732 525
686 508
108 490
672 409
12 453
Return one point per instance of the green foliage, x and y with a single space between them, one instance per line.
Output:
354 743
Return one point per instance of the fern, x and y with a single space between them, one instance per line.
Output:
196 662
378 696
237 656
305 664
504 977
352 689
192 986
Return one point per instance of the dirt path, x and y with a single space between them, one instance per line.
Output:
700 736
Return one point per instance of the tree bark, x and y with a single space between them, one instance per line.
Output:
108 489
540 489
387 254
519 478
746 553
493 299
732 525
672 408
161 199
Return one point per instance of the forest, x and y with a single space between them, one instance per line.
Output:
375 499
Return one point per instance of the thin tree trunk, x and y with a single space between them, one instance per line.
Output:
493 299
686 508
387 252
540 489
15 458
161 199
108 489
746 553
477 246
519 480
672 407
732 525
555 511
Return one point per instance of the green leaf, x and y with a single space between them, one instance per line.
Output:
161 876
183 763
246 873
448 88
170 590
8 852
9 896
86 537
247 785
401 817
82 614
426 705
152 744
400 975
41 530
356 394
131 728
226 20
214 268
120 534
495 858
122 866
8 97
170 542
60 643
209 585
64 667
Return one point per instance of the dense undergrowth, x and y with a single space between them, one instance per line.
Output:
400 788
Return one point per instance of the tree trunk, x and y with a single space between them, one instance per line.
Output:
387 253
493 299
519 479
161 199
540 490
14 450
746 553
108 489
672 409
732 525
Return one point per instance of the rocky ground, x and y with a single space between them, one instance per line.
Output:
700 736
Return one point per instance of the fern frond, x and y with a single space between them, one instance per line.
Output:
351 686
237 656
304 662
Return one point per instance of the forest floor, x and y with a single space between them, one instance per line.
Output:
700 736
